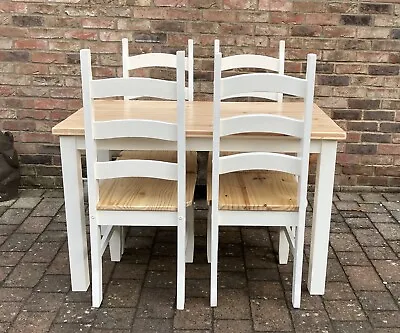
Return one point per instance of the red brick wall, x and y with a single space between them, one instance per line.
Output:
357 43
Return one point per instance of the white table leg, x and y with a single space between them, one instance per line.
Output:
321 218
75 213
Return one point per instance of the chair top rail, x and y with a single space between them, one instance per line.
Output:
250 61
259 82
153 60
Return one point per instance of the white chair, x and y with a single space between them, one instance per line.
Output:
135 192
157 60
257 62
261 188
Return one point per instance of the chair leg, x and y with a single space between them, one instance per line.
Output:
180 264
283 247
96 260
189 234
297 267
209 235
214 261
116 244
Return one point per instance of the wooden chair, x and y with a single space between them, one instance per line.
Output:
135 192
157 60
255 61
261 188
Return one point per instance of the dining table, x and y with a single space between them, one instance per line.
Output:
325 135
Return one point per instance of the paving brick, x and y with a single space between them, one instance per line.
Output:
347 205
373 197
41 252
10 258
122 293
384 318
32 322
26 202
382 252
129 271
263 274
353 327
70 328
353 259
152 325
388 270
345 310
359 222
197 288
49 302
232 304
156 303
271 315
381 218
369 237
390 231
344 242
19 242
9 311
25 275
364 278
233 326
338 291
304 320
77 313
48 207
14 216
196 315
34 224
376 301
268 289
54 284
232 280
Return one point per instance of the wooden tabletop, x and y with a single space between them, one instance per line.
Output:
198 115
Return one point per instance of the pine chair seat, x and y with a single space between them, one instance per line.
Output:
161 155
256 190
147 194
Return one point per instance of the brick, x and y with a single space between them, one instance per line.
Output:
376 137
239 4
28 21
383 70
395 34
375 8
306 31
362 149
380 115
364 278
333 80
356 19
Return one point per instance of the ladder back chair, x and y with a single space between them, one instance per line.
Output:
130 62
135 192
255 61
259 188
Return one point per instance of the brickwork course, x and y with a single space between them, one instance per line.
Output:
357 43
362 289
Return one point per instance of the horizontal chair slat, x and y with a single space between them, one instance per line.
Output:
134 86
256 61
153 60
262 123
135 128
137 168
261 82
260 161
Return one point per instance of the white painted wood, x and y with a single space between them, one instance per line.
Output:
136 168
75 213
259 82
138 128
262 123
166 60
321 218
97 169
189 234
257 62
138 86
283 252
296 165
260 161
250 61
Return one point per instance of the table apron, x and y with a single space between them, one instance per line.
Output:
205 144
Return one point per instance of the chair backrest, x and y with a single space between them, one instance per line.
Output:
263 123
157 60
257 62
99 131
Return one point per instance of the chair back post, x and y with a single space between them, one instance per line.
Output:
216 131
125 57
91 147
181 137
281 69
216 46
305 143
190 69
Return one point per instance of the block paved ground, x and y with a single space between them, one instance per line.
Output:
362 291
